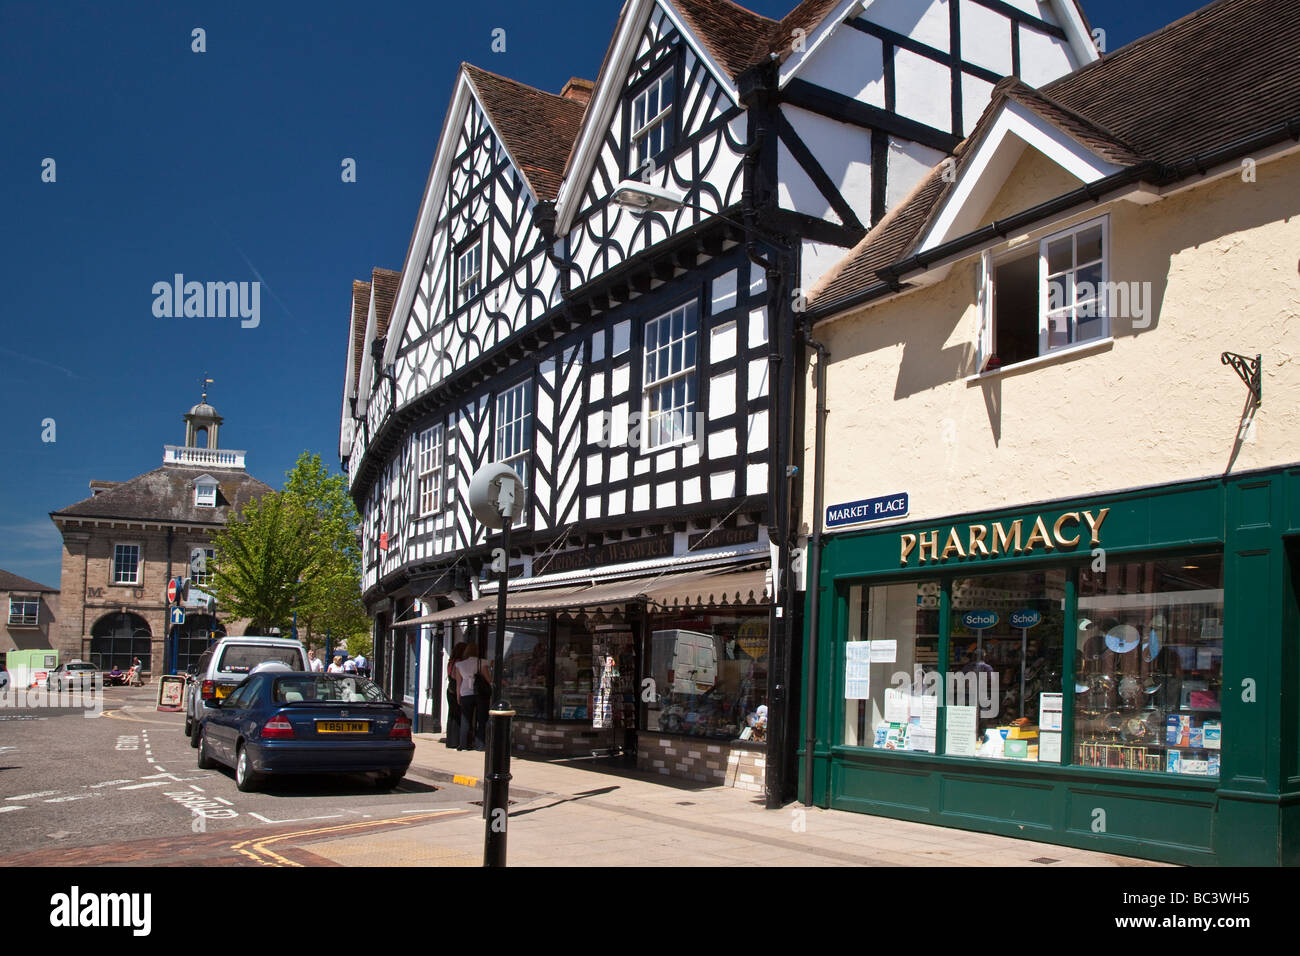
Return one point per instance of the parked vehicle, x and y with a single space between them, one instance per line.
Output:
306 723
72 674
224 665
32 667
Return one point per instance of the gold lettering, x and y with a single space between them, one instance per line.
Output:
1003 540
954 544
1094 524
1039 534
908 543
932 545
977 535
1061 539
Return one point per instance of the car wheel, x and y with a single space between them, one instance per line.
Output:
193 726
189 728
389 780
205 760
245 779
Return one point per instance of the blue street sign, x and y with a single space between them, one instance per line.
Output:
868 509
178 616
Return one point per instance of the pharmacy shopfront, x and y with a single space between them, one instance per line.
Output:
1116 673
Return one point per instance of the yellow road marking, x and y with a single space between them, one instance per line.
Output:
259 844
139 720
464 781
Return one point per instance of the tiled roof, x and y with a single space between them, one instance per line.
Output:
13 582
383 282
1182 91
360 303
737 38
166 494
538 128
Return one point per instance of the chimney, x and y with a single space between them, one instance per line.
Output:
578 90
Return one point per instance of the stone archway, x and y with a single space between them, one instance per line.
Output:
194 637
117 638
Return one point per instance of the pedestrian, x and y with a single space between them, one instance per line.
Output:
453 696
363 666
336 666
314 663
469 670
349 666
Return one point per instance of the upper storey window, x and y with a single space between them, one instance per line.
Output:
469 269
205 492
669 389
652 127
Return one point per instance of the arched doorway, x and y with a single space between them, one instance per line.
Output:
193 638
117 638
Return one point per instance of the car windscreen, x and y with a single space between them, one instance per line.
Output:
241 658
325 688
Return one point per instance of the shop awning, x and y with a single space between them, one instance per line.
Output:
684 589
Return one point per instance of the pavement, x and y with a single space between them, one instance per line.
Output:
588 813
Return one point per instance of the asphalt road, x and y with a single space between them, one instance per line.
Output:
73 779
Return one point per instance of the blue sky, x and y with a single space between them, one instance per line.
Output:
225 166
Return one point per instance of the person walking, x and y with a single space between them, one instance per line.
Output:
469 669
453 696
363 666
337 666
314 663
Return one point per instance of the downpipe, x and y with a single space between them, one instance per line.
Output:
814 567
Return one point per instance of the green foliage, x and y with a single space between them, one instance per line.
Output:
296 551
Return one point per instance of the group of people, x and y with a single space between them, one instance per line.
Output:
342 664
469 692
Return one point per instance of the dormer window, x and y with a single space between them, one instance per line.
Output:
205 492
652 127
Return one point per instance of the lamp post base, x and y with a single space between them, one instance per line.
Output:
496 788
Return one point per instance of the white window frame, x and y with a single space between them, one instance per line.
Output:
23 620
687 373
989 261
469 283
200 487
640 134
139 562
428 459
204 579
515 448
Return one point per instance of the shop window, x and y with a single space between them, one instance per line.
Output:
709 674
1047 298
1006 644
573 672
523 667
1149 666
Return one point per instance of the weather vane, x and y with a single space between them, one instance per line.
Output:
204 382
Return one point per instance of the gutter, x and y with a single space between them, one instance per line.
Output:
1157 174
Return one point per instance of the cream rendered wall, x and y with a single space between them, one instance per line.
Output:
1152 407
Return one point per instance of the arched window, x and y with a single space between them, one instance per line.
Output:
116 639
193 638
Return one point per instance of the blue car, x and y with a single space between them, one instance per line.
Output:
299 722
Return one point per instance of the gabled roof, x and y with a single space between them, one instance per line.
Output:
383 286
736 38
166 495
1153 106
536 128
13 582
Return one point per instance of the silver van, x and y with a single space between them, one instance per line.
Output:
224 665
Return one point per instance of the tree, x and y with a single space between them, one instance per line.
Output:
295 551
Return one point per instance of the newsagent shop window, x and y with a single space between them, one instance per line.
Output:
709 673
1149 666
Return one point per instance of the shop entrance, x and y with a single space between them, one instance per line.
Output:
615 669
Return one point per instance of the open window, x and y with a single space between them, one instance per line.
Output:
1046 298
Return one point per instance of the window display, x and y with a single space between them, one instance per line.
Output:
573 672
1148 666
709 674
523 667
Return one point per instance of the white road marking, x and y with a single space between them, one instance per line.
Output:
328 816
75 796
160 769
199 789
150 759
107 783
7 809
140 786
33 796
226 802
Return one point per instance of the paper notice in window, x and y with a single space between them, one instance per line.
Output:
1050 707
884 652
857 670
959 731
1049 747
896 709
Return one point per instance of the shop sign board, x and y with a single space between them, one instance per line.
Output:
1022 536
979 620
1026 618
868 509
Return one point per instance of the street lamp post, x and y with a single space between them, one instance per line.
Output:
496 495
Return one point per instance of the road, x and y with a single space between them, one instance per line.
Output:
122 786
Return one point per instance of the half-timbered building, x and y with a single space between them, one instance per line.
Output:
603 289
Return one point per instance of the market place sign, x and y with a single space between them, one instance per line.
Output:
997 538
868 509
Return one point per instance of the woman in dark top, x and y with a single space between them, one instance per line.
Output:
453 697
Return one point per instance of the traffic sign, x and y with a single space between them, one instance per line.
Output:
173 586
178 616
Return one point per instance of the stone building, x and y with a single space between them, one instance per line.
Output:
123 543
31 613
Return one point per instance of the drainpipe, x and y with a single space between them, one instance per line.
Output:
815 568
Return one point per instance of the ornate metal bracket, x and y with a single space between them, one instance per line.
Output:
1250 371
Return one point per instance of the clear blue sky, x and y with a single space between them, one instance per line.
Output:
225 166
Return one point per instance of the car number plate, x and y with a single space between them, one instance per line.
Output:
224 690
342 726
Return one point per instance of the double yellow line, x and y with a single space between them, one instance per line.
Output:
256 849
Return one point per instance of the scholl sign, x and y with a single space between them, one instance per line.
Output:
1025 618
868 509
979 620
